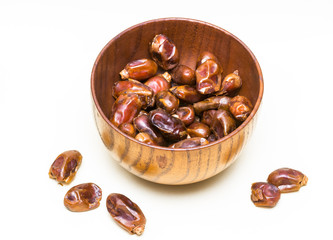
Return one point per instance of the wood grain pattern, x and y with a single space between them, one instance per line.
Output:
160 164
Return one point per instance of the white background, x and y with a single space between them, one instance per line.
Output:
47 50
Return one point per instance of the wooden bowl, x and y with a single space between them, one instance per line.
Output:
161 164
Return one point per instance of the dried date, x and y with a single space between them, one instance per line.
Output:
65 166
126 213
83 197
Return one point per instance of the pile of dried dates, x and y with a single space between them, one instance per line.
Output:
182 107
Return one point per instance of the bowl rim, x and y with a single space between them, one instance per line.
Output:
225 138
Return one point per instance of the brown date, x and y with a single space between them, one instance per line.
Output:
185 114
240 107
64 168
223 123
145 138
125 109
140 69
211 138
143 125
164 52
264 194
172 129
204 56
198 129
208 77
83 197
186 93
230 84
208 116
166 100
126 213
212 103
145 93
128 129
190 143
287 179
183 75
159 83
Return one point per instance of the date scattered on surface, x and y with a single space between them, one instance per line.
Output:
83 197
64 168
287 179
282 180
126 213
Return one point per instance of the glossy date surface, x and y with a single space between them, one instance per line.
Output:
126 213
264 194
139 69
65 166
208 77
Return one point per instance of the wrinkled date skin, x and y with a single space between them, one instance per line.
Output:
185 114
187 93
140 69
159 83
264 194
145 93
287 179
167 101
198 129
83 197
204 56
223 123
212 103
126 213
183 75
128 129
190 143
208 116
64 168
230 84
164 52
143 125
208 77
125 109
240 107
172 129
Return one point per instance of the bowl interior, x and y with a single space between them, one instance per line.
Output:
191 38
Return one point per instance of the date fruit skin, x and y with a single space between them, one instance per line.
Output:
185 114
65 166
230 84
126 213
212 103
166 100
128 129
264 194
172 128
140 69
83 197
190 143
287 179
159 83
143 125
208 116
125 109
145 138
204 56
183 75
223 123
240 107
164 52
208 77
187 93
145 93
198 129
